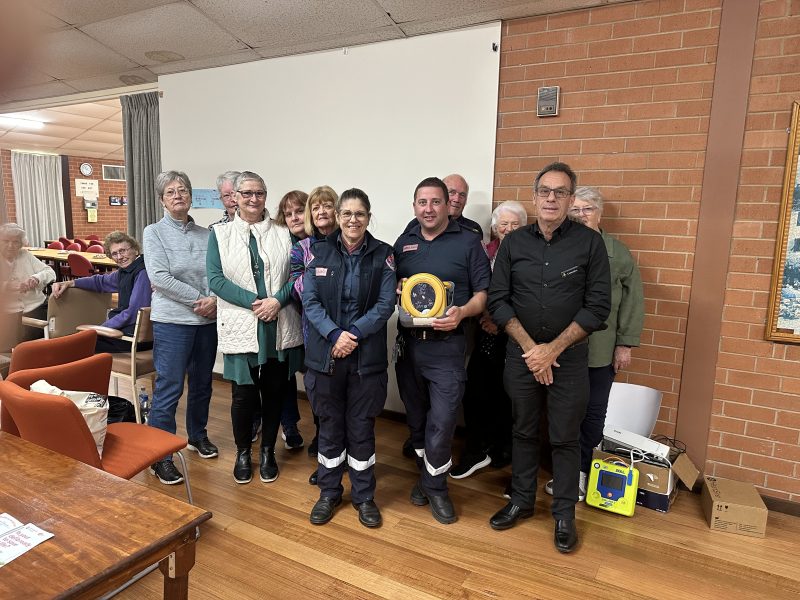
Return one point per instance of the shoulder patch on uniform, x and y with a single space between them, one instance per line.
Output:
390 262
410 247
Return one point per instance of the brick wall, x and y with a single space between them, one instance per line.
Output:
636 82
109 218
755 428
8 185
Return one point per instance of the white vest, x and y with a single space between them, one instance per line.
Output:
237 327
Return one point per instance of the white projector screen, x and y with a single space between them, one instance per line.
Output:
380 117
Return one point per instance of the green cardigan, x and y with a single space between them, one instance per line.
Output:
627 306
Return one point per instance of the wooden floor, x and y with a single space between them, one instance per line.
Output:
259 543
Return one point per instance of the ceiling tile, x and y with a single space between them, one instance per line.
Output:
177 28
93 135
113 80
403 11
62 131
45 90
19 137
75 146
65 119
208 62
288 22
89 109
70 54
80 12
47 22
118 154
380 35
109 126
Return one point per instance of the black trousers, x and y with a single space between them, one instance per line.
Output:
268 391
600 380
431 377
565 404
347 404
487 407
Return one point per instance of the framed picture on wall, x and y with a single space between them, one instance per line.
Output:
783 314
117 201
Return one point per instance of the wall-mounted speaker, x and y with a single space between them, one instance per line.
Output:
547 101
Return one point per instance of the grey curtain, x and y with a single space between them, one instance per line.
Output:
140 131
40 200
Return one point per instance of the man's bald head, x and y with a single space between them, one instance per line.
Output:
458 190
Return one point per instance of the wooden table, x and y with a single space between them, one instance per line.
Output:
99 260
106 529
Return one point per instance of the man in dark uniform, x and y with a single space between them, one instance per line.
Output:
550 289
430 369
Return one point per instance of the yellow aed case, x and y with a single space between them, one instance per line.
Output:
612 487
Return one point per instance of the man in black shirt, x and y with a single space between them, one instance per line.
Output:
550 289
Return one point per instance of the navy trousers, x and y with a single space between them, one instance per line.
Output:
600 380
347 404
431 378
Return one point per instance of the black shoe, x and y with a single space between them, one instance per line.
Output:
292 438
256 429
368 514
565 535
167 472
507 517
442 509
268 468
243 468
312 479
313 447
417 497
469 464
203 447
323 510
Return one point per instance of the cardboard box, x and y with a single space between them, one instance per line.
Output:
733 506
658 484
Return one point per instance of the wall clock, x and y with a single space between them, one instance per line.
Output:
86 169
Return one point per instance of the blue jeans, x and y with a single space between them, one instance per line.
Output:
178 351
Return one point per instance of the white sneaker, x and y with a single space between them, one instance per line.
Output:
582 478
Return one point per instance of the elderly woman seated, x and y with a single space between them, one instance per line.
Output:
23 277
129 280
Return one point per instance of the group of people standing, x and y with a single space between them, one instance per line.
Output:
311 291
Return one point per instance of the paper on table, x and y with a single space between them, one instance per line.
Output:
16 539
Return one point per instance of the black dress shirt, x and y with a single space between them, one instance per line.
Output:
548 284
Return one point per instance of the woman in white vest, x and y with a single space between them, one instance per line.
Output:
257 323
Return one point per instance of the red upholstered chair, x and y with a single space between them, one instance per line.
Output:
73 247
79 266
55 246
84 245
96 249
46 353
54 422
64 240
93 238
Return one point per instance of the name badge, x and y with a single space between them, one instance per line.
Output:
570 271
321 271
410 247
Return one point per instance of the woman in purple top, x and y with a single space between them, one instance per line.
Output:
130 281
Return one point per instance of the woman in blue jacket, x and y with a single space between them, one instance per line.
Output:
348 295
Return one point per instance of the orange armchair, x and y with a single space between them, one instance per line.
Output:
54 422
54 351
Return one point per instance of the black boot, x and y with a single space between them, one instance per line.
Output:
269 467
243 469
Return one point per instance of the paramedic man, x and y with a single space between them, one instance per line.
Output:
550 289
430 369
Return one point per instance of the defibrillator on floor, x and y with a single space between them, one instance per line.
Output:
612 486
424 297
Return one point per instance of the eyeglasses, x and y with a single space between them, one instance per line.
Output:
346 215
461 195
121 252
559 193
247 194
423 202
582 210
178 192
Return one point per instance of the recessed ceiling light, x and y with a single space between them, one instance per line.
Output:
18 122
164 56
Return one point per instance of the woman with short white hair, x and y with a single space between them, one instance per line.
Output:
24 277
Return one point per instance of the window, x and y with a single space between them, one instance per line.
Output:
113 173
